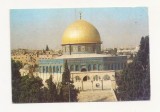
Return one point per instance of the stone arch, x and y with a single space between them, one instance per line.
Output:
46 69
60 69
94 67
119 66
72 47
53 69
106 77
99 67
112 66
43 69
57 69
94 48
79 48
89 67
116 66
105 67
96 78
77 78
86 78
109 66
77 68
50 69
83 70
71 68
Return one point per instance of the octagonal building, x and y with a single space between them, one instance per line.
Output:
81 37
81 45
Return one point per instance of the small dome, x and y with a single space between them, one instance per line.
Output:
81 32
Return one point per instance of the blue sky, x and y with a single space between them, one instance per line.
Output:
36 28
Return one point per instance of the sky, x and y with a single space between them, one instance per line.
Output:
118 27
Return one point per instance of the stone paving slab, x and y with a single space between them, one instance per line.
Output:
97 96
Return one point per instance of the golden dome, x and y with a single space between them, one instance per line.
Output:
81 32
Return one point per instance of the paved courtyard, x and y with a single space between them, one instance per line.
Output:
97 96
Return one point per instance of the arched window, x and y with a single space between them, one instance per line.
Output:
43 69
53 69
99 67
123 65
112 66
77 68
106 77
115 66
89 67
50 69
86 48
86 78
119 66
71 48
94 48
77 78
96 78
106 66
46 69
94 67
71 68
60 69
109 67
79 48
83 70
57 69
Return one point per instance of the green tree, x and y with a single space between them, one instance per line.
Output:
44 97
67 91
51 91
30 89
47 48
134 83
16 77
143 56
66 74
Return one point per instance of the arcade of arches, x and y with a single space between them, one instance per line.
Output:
93 80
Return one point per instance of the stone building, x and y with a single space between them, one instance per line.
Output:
81 45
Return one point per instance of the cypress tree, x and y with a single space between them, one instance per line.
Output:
134 83
16 77
66 74
52 92
47 48
67 92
